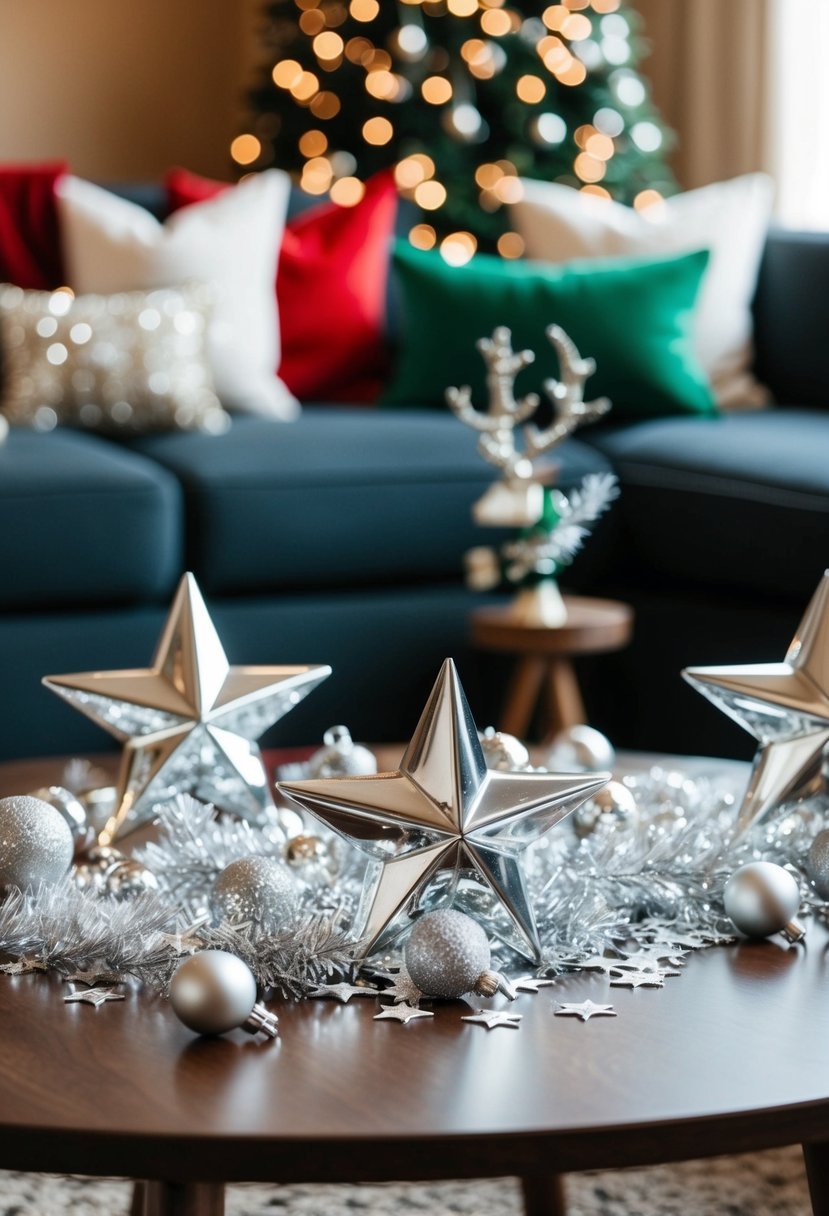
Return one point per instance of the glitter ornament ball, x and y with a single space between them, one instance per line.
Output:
448 954
611 808
580 749
35 843
817 863
503 752
341 756
762 898
258 890
214 991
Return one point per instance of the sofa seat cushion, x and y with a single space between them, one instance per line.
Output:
339 498
85 522
740 501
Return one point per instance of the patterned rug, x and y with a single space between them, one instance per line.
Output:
766 1184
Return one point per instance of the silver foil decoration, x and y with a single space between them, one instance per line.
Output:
784 705
188 724
35 843
443 813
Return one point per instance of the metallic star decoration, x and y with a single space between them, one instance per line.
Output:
404 989
491 1019
586 1010
638 979
24 966
401 1013
344 992
188 724
94 977
444 813
784 705
94 996
530 983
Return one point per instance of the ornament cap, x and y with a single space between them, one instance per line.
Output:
261 1020
794 931
487 983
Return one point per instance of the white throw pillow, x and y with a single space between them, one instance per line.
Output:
231 242
730 219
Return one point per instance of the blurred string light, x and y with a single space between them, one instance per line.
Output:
430 87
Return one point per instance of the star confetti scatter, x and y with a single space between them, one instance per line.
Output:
585 1011
94 996
401 1013
492 1018
344 992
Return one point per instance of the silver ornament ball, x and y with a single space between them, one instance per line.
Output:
817 863
214 991
315 861
503 752
448 954
35 843
258 890
580 749
612 808
341 756
69 807
762 898
129 878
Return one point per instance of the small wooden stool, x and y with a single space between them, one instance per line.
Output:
544 667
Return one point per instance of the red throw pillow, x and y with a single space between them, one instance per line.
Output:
30 250
330 288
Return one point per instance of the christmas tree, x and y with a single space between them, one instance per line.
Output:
463 98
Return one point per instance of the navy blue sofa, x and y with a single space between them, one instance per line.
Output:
339 539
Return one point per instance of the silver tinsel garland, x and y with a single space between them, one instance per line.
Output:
652 885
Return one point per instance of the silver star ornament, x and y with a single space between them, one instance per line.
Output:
188 723
492 1018
343 992
584 1011
444 828
401 1013
93 996
784 705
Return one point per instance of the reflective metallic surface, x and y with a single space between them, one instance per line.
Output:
444 812
213 992
188 723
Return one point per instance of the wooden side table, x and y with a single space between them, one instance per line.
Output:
545 669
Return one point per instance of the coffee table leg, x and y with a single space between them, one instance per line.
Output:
816 1157
522 697
178 1199
565 706
543 1195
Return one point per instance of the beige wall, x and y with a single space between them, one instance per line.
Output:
124 88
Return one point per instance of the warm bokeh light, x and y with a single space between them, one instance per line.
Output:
312 22
325 105
462 8
364 10
305 88
605 6
496 22
510 245
316 175
313 143
576 26
357 48
328 45
587 168
423 236
595 191
647 199
437 90
430 195
377 131
245 149
286 73
600 146
487 175
555 16
347 192
508 189
530 89
573 75
458 248
382 85
413 170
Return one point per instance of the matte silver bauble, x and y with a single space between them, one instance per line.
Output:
448 954
35 843
610 809
503 752
214 991
762 898
817 863
257 890
341 756
580 749
70 807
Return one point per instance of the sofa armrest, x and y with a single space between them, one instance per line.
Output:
790 310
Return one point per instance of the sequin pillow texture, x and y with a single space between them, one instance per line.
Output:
130 363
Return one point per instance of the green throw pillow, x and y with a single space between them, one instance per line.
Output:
633 316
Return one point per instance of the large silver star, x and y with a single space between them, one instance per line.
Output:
188 723
784 705
444 813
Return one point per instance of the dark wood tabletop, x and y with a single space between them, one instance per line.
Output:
729 1056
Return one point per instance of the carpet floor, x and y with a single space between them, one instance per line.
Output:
763 1184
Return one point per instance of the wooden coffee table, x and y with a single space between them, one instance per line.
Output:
727 1058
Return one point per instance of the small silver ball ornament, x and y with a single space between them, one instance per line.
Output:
314 861
448 954
580 748
128 878
503 752
762 898
817 863
341 756
35 843
611 808
69 806
214 991
258 890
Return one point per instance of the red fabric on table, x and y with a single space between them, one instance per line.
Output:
30 248
330 288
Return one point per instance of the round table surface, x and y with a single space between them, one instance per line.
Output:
729 1056
593 626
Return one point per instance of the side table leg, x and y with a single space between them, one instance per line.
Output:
816 1157
524 690
178 1199
565 706
543 1195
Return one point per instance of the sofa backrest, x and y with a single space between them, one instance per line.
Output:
791 307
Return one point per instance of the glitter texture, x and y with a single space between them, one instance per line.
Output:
35 843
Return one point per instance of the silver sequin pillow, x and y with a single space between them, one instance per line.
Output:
127 363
